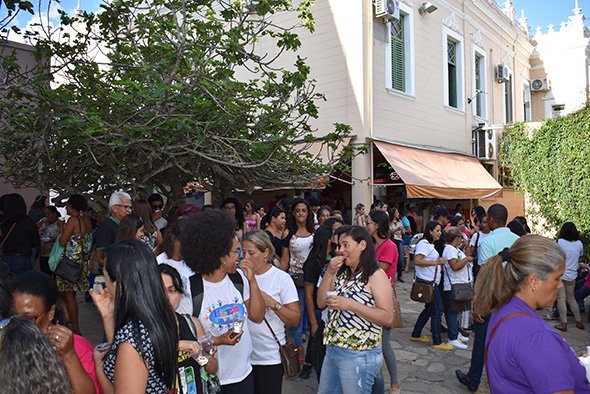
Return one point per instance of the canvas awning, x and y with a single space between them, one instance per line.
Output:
433 174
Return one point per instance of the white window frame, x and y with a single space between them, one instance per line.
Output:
483 97
408 54
449 34
526 94
504 109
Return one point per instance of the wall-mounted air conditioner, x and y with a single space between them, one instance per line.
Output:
502 73
486 144
386 9
539 85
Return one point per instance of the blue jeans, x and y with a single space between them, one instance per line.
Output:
297 331
349 371
432 311
453 328
580 294
479 343
18 264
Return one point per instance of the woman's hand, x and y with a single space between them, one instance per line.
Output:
62 339
248 269
335 264
269 302
338 303
103 302
189 347
230 338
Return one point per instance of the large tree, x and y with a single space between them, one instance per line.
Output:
551 165
159 93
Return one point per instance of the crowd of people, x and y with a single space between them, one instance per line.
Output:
203 299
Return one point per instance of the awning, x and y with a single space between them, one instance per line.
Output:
432 174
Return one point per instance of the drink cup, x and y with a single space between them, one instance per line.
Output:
331 293
238 325
200 357
99 283
206 342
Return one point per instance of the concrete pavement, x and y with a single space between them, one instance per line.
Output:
421 369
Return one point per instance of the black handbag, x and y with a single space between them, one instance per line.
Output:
422 290
68 268
298 280
461 292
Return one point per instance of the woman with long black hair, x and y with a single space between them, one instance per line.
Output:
139 323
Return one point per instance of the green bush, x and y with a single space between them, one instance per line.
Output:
552 165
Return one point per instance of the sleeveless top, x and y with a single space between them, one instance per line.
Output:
347 329
150 240
137 336
251 222
299 248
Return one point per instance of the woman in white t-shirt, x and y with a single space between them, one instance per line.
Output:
209 246
457 270
428 267
171 255
569 240
282 308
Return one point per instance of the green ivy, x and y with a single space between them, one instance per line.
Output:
552 165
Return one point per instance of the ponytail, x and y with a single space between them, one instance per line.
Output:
493 287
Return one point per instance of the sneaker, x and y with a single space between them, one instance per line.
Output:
444 346
462 338
458 344
423 338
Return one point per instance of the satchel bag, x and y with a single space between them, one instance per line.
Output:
55 256
68 268
461 292
422 290
289 356
397 312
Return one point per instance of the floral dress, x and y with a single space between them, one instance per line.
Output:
78 248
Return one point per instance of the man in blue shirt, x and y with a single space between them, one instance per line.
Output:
501 237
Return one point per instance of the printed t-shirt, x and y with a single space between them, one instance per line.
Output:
84 350
387 253
222 305
573 251
186 302
427 250
463 275
279 285
527 356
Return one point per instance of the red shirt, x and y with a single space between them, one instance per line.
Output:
387 253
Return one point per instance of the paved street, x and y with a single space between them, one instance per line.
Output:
421 369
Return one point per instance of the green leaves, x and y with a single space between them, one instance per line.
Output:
551 165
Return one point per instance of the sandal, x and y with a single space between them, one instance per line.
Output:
549 316
561 327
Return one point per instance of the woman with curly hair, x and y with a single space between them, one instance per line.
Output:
139 323
209 246
77 242
32 359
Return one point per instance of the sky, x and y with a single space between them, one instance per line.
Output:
539 12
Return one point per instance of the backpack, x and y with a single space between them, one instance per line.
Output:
197 290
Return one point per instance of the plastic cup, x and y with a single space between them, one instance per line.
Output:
238 325
99 283
200 357
103 347
331 293
206 342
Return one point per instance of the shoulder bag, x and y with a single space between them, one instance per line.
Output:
68 268
397 312
289 356
461 292
422 290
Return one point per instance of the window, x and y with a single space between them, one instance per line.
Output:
399 56
526 102
558 110
479 84
453 70
508 113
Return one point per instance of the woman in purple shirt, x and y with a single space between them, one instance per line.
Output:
523 354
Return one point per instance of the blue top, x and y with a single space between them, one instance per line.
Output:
495 242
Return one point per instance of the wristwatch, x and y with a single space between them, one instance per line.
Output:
278 306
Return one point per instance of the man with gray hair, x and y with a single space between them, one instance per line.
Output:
119 207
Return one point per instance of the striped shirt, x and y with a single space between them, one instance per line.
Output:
347 329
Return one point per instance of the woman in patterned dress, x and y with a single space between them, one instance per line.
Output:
138 322
77 242
361 306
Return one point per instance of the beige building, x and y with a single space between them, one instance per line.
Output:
440 81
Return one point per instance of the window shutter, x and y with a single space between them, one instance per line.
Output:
398 58
452 72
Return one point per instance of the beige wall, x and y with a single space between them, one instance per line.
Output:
513 201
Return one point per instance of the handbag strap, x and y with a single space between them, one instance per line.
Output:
7 235
273 333
493 332
191 324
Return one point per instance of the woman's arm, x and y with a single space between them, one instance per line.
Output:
257 220
67 233
380 288
384 265
255 304
328 280
309 305
422 262
457 265
288 313
106 308
131 372
212 366
285 256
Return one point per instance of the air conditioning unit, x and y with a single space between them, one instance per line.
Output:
486 144
539 85
386 9
502 73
